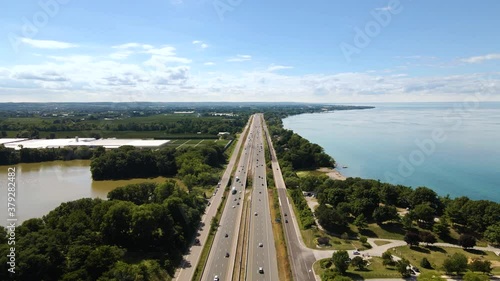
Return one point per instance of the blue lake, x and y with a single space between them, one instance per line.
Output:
453 148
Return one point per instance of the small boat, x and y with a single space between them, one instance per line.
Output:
344 167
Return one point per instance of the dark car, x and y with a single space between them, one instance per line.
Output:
227 255
286 221
227 235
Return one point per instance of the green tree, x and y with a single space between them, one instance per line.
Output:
456 263
467 241
402 267
412 238
423 213
385 213
427 237
442 227
407 222
387 259
492 234
341 261
359 263
101 259
360 222
483 266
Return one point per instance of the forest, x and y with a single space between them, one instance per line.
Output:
196 166
140 233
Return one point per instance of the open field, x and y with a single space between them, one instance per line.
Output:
194 142
436 256
375 269
119 134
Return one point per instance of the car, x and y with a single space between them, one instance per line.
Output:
286 221
255 213
261 245
356 253
197 241
216 278
233 206
238 203
286 214
260 192
261 270
227 235
227 255
235 199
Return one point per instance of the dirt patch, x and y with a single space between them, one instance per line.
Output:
332 173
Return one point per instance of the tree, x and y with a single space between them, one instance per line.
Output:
492 234
480 265
471 276
387 258
427 237
341 261
385 213
423 213
363 239
442 227
425 263
360 222
456 263
407 222
412 238
359 263
467 241
402 267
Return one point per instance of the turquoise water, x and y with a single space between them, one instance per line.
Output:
453 148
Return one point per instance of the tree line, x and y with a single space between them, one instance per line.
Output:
140 233
10 156
196 166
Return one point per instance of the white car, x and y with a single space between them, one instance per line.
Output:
261 270
261 245
216 278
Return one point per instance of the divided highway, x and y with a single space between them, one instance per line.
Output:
261 262
221 259
186 272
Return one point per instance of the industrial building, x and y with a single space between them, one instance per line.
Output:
89 142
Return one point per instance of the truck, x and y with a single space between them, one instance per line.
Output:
233 190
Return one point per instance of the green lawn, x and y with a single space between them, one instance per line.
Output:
436 255
336 243
375 269
381 242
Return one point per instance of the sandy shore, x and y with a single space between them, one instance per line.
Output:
332 173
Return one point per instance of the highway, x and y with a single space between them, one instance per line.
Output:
301 258
191 259
221 259
261 246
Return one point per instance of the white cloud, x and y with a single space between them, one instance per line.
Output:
278 67
480 59
209 63
200 43
240 58
47 44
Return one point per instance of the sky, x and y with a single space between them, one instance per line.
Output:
348 51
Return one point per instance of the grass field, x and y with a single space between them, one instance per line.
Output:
375 269
194 142
436 256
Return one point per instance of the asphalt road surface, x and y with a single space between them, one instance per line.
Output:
191 259
261 263
301 258
221 259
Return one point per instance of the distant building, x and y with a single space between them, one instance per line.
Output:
223 135
183 112
89 142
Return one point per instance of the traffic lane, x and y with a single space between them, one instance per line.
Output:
216 265
302 260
